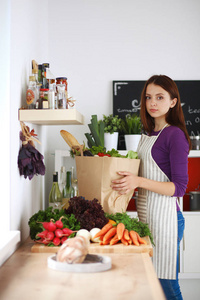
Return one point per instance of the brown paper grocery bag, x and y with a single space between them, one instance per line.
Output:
94 176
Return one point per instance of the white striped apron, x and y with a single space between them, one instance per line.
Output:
158 211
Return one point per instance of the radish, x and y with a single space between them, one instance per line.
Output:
42 234
63 239
59 233
56 241
50 236
59 223
45 225
42 241
68 231
51 226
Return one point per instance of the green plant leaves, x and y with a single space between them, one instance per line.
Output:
131 124
112 123
96 135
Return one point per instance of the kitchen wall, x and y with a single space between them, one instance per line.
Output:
92 43
27 31
96 42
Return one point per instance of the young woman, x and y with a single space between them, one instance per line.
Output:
163 176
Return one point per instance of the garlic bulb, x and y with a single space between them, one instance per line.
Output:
73 250
84 232
93 232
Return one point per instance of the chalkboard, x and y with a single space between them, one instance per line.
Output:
126 99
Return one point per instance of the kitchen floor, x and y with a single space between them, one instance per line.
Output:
190 289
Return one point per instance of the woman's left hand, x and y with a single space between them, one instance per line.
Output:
127 183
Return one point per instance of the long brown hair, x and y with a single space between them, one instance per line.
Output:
175 114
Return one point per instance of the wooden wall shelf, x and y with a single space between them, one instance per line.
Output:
51 116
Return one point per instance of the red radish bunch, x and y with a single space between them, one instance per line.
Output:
53 233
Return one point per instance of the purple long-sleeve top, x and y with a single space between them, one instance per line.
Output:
170 152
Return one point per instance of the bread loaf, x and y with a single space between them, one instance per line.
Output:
70 139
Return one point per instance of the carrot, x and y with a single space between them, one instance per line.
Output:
109 234
120 230
114 240
125 242
130 242
126 235
112 222
134 237
141 240
106 242
103 230
101 237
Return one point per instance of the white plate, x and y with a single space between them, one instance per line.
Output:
90 265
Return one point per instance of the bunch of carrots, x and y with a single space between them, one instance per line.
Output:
112 234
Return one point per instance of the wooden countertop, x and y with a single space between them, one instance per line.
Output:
25 275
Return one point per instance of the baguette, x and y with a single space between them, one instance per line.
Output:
70 139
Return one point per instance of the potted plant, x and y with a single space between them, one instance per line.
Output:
131 127
111 131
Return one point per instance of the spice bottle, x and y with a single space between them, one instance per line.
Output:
31 93
55 196
68 191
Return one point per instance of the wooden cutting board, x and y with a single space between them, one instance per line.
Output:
95 248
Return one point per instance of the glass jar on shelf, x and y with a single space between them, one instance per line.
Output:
61 97
31 93
43 99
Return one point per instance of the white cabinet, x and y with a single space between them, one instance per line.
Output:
190 246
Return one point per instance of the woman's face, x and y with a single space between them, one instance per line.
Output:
158 101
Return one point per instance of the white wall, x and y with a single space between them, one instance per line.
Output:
5 112
29 35
92 43
98 41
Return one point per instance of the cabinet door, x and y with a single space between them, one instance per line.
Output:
191 248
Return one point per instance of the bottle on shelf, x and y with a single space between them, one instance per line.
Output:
40 79
74 183
51 97
62 178
35 73
45 83
68 191
31 93
55 196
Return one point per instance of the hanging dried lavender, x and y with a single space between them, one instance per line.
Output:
30 160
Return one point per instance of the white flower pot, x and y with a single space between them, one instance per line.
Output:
111 140
131 141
